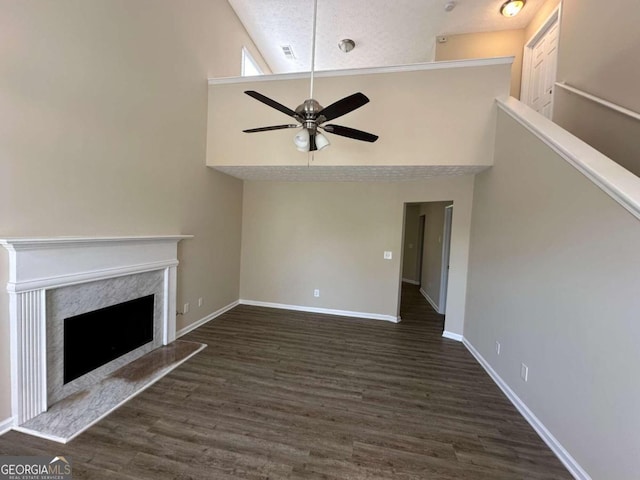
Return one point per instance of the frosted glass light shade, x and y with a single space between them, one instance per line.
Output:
301 140
512 8
321 141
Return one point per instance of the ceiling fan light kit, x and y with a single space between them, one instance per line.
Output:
511 8
311 116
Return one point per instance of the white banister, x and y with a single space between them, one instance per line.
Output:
616 181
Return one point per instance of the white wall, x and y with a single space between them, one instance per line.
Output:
103 132
299 236
553 276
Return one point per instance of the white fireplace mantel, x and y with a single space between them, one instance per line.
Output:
40 264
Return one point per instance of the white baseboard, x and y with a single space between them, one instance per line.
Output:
6 425
208 318
428 298
567 460
325 311
412 282
452 336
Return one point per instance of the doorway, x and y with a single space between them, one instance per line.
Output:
539 66
426 251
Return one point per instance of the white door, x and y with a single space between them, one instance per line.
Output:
539 73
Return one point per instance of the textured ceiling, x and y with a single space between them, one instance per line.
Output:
321 173
386 32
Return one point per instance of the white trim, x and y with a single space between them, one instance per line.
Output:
55 438
447 228
208 318
480 62
74 279
39 264
40 243
412 282
452 336
601 101
552 442
528 48
325 311
616 181
428 298
6 425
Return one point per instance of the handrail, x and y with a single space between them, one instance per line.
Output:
601 101
616 181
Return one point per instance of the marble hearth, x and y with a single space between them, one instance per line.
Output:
53 278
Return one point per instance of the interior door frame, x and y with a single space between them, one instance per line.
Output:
528 51
422 221
446 254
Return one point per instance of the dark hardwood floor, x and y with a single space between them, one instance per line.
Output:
280 394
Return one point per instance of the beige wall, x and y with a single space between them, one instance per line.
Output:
410 247
612 133
598 54
103 131
432 249
553 276
504 43
301 236
436 105
541 16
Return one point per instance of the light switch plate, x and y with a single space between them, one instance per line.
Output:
387 255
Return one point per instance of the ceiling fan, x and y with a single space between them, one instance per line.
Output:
311 116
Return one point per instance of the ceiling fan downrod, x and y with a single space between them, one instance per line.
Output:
311 116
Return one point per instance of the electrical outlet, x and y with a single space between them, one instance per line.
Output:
316 293
498 348
185 310
387 255
524 372
200 302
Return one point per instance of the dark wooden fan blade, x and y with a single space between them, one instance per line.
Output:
351 133
312 143
273 127
344 106
272 103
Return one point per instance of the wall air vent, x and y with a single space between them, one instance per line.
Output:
288 52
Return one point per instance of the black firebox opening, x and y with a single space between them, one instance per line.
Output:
95 338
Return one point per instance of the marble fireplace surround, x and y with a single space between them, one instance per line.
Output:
39 266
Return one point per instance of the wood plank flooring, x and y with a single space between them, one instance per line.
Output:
291 395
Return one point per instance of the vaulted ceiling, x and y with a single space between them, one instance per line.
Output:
385 32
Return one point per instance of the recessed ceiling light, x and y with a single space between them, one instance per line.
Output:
512 7
346 45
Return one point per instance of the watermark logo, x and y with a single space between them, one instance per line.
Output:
35 468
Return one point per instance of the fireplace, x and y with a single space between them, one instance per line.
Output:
95 338
75 305
56 285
